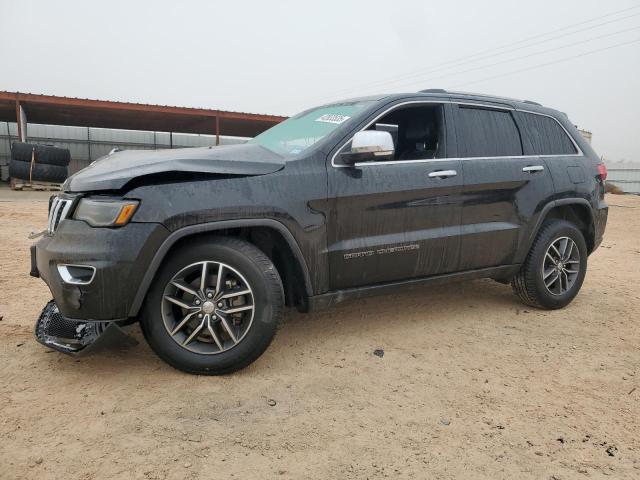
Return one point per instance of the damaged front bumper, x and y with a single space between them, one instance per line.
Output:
94 273
55 331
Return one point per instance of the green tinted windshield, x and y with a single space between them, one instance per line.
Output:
298 133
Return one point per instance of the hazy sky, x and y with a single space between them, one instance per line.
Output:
283 56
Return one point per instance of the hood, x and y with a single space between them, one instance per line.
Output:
117 169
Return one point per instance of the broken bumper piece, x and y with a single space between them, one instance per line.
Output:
73 336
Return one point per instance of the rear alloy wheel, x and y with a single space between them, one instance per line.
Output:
214 306
561 266
555 267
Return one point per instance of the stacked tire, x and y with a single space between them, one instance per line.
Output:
39 163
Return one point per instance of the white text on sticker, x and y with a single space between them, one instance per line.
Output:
333 118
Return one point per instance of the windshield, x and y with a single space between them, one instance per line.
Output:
298 133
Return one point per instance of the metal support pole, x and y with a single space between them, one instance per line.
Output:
18 121
21 120
89 142
170 139
217 130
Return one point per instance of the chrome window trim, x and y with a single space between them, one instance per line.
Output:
579 153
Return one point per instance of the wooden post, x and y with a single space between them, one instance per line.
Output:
217 130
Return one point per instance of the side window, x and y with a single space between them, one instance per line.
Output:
487 133
547 136
417 130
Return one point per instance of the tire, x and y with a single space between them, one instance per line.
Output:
535 284
45 154
40 173
251 270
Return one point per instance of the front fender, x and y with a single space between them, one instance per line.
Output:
212 227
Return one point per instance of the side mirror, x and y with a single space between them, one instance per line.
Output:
369 145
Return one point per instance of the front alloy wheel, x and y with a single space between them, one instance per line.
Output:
208 307
214 306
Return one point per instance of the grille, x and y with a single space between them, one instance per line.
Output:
57 212
58 326
60 333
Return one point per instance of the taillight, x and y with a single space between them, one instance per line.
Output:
602 171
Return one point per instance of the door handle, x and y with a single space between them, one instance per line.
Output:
443 173
533 168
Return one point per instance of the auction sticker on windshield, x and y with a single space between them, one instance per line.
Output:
333 118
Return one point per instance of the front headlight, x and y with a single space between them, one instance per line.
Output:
99 212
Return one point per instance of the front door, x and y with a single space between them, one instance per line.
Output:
398 219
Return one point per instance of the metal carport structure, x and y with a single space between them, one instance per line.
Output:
53 110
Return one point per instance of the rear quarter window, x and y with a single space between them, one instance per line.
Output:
546 135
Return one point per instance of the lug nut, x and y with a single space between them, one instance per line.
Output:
219 304
199 315
197 302
209 295
214 317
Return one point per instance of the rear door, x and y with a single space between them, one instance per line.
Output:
503 190
394 220
543 135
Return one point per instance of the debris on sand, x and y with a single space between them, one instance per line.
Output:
378 352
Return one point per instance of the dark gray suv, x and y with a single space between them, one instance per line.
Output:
205 246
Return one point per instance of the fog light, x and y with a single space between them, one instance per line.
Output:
77 274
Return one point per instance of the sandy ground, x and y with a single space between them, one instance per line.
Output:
472 385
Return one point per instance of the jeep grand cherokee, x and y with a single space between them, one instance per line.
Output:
205 246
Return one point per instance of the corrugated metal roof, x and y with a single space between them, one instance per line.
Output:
55 110
26 96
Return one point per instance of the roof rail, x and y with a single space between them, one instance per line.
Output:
483 95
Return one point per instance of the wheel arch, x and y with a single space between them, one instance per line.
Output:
264 233
576 210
